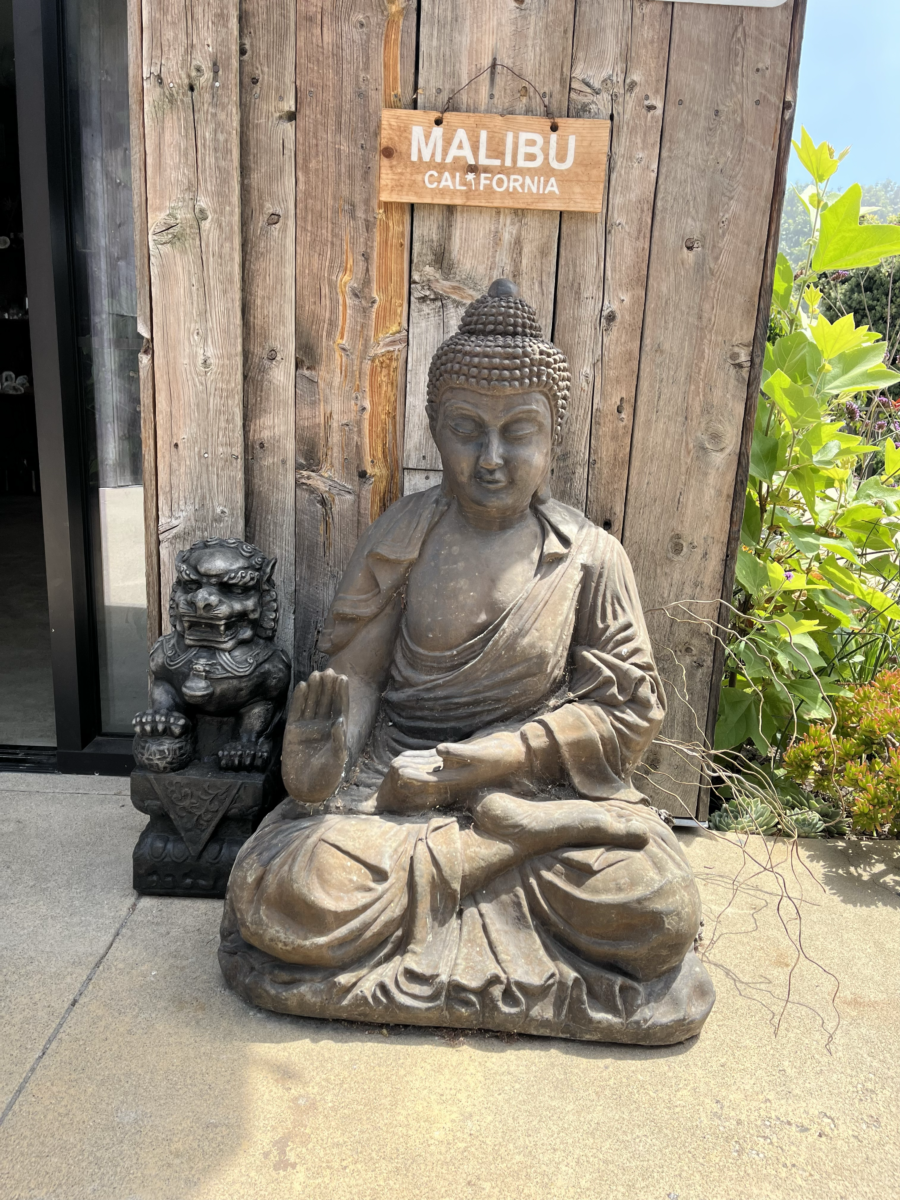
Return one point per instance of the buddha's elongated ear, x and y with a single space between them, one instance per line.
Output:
543 494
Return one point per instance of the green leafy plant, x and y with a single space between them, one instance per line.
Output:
816 606
856 762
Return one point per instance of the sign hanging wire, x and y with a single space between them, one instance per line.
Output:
492 65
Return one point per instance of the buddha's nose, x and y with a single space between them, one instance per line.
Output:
491 456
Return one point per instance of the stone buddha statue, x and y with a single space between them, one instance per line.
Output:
463 844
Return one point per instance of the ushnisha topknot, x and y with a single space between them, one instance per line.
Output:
499 343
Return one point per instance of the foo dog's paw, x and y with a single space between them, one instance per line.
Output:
164 740
245 756
158 723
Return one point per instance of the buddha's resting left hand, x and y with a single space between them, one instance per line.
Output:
498 760
419 780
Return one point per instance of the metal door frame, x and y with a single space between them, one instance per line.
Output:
45 168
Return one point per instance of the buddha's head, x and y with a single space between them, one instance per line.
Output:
223 594
497 397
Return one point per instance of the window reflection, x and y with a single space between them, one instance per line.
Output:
108 343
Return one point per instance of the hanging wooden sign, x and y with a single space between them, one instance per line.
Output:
487 161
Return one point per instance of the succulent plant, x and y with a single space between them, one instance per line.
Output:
804 823
745 816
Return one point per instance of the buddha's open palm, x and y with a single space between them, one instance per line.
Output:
315 739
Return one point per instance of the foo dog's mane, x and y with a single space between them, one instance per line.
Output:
258 571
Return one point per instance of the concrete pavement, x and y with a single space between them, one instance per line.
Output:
158 1084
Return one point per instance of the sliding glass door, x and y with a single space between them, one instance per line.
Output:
71 71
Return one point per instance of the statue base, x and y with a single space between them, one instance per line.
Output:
199 819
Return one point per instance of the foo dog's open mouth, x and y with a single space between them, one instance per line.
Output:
200 632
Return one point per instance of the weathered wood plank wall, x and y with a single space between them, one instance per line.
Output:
192 158
754 373
351 271
268 49
298 383
721 124
457 252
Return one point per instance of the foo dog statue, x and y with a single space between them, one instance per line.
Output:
207 749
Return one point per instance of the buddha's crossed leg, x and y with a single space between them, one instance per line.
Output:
509 829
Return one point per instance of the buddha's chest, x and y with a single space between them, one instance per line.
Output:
461 585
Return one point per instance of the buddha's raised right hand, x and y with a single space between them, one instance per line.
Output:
315 738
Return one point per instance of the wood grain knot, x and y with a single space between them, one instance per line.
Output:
165 230
388 151
676 547
715 438
273 218
692 243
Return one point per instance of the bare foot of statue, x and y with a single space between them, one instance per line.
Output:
509 829
549 824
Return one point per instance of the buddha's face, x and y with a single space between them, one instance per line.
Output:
495 448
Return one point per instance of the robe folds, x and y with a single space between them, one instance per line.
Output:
363 916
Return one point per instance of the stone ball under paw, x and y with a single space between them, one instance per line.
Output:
163 754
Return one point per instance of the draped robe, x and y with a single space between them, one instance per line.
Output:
361 916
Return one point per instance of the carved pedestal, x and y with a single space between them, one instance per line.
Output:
199 819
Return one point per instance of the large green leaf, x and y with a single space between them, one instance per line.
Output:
804 537
751 525
763 456
803 479
836 606
859 370
844 243
851 584
815 706
842 335
874 489
891 461
798 403
821 161
783 285
796 355
752 575
737 718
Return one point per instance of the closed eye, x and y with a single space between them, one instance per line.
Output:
519 430
465 427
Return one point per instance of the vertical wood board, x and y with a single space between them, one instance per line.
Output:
351 286
458 252
599 51
636 95
268 44
762 328
191 123
722 119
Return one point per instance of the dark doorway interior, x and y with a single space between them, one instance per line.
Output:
26 684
